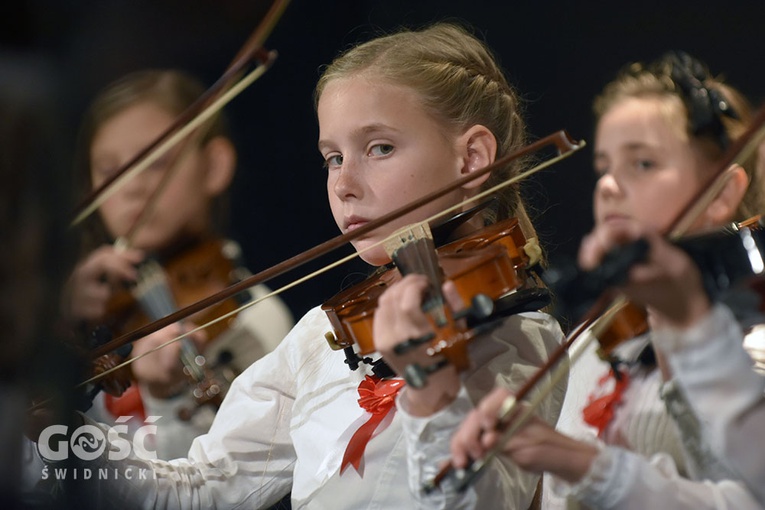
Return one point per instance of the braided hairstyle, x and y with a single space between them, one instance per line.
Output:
460 84
713 113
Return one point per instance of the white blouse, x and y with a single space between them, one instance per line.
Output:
718 376
643 461
287 420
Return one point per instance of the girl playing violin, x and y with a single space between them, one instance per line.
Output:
399 116
661 129
715 371
167 224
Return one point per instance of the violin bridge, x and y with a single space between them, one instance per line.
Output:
406 235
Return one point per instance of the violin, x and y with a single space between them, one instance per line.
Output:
188 274
561 140
724 257
485 267
748 262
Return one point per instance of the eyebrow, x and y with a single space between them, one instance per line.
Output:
631 147
364 130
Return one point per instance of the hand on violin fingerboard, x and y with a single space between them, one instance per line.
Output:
399 318
162 370
94 279
667 281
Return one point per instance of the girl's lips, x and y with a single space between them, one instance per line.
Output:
354 222
613 218
354 225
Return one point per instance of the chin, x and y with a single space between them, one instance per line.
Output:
148 243
375 257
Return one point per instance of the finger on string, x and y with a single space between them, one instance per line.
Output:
452 296
407 299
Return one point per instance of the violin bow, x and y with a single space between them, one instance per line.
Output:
599 316
226 88
223 91
564 144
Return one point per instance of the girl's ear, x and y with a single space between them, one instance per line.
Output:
478 149
723 207
221 164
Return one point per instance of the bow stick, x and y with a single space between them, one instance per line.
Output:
599 316
561 140
222 92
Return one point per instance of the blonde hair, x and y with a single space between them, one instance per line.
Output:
659 80
171 90
460 84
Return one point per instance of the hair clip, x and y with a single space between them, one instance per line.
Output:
706 105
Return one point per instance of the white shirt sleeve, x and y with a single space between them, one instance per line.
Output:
624 480
511 355
234 464
716 373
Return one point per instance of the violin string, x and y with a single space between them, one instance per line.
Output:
541 166
154 295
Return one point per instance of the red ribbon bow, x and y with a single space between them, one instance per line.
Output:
377 396
600 411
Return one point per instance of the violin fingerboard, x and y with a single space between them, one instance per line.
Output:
414 252
152 291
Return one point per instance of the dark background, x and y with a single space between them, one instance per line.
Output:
559 54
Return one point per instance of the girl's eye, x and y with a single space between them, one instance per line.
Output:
103 173
334 160
382 149
644 164
161 163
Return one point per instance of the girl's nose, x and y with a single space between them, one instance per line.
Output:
607 186
347 183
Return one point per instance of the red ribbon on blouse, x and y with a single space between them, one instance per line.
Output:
600 411
377 396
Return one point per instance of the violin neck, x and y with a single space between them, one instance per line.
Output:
153 293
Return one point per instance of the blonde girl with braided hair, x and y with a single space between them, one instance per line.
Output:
399 116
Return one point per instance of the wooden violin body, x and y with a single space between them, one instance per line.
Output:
491 262
189 275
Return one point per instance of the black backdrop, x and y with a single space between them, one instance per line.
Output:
558 53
